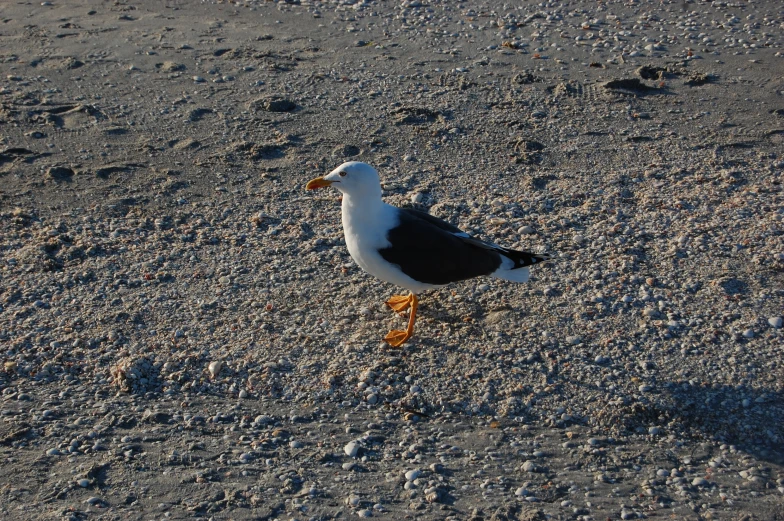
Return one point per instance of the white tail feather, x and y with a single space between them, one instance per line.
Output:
518 275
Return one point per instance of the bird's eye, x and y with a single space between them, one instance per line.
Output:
342 174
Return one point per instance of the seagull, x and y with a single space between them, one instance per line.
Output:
410 248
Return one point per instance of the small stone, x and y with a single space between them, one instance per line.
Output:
411 475
775 322
365 513
84 482
432 495
749 333
92 500
246 457
349 465
699 482
243 393
351 449
574 340
214 368
529 466
650 313
526 230
198 79
296 444
372 399
654 431
54 452
417 197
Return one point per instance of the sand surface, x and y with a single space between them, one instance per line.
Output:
184 334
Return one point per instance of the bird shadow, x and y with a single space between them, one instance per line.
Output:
738 415
749 418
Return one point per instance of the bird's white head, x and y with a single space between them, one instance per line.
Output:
353 179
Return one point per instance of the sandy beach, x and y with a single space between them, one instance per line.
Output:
185 336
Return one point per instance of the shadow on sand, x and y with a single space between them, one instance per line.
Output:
751 419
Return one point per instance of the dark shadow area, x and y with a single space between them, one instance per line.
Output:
748 418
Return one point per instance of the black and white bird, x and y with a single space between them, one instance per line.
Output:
413 249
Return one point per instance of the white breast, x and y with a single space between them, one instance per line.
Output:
366 233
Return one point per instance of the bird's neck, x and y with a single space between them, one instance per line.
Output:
357 210
362 204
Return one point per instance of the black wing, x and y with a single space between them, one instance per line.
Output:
520 258
427 250
435 221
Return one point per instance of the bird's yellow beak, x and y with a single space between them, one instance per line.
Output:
318 182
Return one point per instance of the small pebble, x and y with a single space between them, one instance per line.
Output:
351 449
411 475
527 230
214 368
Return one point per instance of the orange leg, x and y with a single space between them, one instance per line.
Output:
396 337
399 303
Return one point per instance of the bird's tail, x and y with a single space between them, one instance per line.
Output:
515 264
